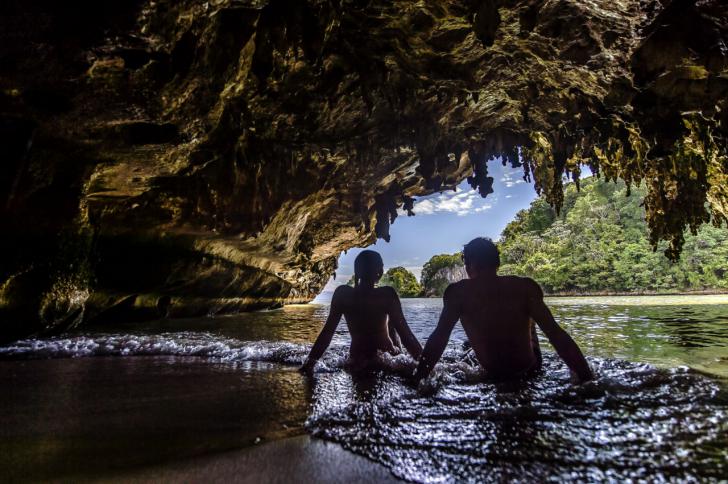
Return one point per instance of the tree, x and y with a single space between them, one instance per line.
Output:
403 281
599 243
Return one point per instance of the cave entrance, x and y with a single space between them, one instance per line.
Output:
443 223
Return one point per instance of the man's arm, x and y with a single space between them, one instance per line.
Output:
399 325
560 339
536 345
437 341
324 338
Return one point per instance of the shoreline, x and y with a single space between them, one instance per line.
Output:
645 293
293 459
715 292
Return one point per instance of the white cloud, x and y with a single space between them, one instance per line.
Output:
461 204
511 183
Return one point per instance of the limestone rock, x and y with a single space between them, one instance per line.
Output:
442 278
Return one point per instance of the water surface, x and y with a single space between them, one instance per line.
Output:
85 404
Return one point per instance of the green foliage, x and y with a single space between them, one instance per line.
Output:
599 243
403 281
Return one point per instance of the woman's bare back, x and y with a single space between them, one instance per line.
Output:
372 315
366 311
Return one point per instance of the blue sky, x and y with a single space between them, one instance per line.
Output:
445 221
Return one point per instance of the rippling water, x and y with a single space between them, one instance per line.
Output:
658 409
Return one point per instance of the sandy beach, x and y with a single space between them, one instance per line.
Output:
296 459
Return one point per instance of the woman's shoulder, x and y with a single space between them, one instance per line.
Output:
386 292
341 296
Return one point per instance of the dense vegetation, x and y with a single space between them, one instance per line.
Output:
598 243
402 280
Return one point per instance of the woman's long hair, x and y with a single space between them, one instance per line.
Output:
368 266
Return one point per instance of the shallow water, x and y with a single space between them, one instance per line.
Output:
658 409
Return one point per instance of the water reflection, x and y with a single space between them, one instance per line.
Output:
633 423
696 336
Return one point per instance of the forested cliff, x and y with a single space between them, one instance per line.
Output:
598 243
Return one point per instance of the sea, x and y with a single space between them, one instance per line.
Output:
99 401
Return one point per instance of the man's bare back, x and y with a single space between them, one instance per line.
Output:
494 314
497 313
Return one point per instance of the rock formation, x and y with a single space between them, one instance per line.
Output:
189 157
442 278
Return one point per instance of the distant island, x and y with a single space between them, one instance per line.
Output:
598 244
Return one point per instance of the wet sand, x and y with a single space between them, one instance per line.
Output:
76 419
296 459
163 419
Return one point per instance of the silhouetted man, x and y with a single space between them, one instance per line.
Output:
496 313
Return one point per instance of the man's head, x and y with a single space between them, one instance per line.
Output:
480 256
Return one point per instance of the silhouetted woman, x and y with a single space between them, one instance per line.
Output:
373 315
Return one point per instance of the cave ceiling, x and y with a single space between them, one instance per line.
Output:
227 151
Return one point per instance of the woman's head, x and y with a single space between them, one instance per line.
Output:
368 268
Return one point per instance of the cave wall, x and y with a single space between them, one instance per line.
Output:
184 158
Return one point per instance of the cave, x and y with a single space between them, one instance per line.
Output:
190 158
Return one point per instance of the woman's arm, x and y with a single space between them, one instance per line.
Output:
324 338
394 336
399 324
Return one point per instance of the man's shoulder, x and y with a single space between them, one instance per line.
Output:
517 280
525 284
455 289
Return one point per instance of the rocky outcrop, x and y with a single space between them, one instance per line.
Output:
192 157
443 277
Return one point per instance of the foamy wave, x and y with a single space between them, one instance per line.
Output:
166 344
206 345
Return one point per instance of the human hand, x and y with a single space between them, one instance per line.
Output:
307 367
416 377
578 379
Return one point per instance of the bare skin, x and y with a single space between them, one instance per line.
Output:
375 321
497 314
